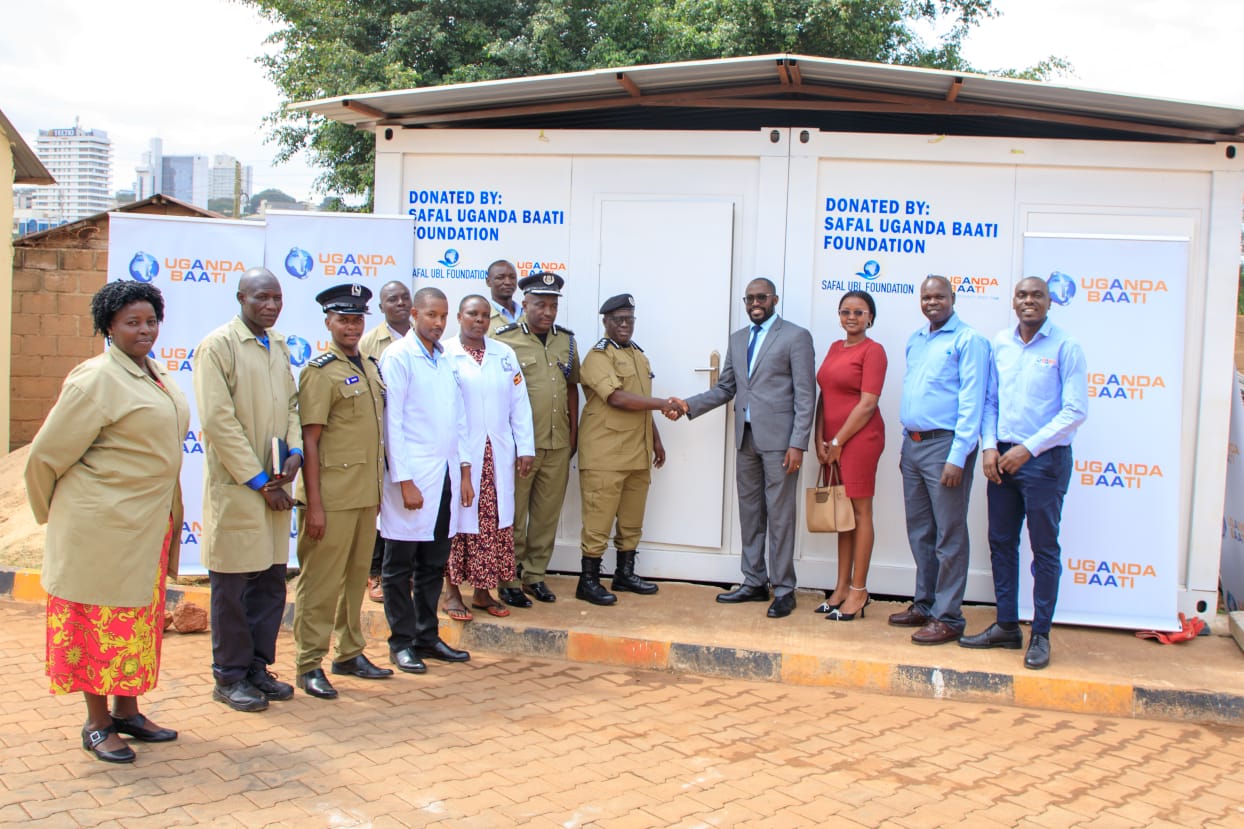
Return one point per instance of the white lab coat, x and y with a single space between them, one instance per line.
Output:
425 435
497 409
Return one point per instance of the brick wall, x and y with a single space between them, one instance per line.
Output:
52 289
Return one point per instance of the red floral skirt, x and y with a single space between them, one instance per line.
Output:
104 650
486 558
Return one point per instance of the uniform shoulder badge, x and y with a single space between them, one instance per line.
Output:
635 346
322 360
505 329
562 329
602 344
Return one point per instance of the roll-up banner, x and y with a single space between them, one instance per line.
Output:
196 263
1231 569
1123 299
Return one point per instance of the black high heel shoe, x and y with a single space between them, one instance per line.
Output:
826 607
93 738
837 615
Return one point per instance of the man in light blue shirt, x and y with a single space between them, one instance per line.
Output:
1036 400
943 400
502 281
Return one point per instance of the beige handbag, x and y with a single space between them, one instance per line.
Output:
826 505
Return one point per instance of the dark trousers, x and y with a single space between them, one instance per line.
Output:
377 557
246 616
1034 493
412 619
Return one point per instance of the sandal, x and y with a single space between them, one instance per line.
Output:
458 614
498 610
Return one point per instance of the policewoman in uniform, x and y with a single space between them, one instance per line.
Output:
617 441
341 406
550 365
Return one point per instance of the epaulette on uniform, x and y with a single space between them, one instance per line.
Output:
562 329
505 329
322 360
602 344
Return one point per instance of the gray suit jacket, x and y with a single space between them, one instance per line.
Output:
781 390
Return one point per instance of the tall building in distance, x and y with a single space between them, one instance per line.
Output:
224 169
81 162
184 177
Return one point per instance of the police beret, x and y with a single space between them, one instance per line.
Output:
542 282
615 303
350 298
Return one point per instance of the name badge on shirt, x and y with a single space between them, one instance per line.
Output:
505 364
350 381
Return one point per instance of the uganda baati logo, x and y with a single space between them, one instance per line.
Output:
144 267
299 263
450 259
1062 288
299 350
872 270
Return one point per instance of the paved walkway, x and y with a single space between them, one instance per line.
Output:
508 740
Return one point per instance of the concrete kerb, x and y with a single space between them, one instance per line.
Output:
790 665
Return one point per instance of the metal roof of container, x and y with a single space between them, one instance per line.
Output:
788 89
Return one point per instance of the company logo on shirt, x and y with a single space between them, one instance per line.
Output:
174 358
1116 474
299 350
1123 386
1102 573
192 444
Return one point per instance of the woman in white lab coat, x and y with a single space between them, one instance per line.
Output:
500 445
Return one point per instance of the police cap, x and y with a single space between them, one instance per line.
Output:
617 303
350 298
542 282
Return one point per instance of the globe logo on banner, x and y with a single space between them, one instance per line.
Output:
872 269
144 267
299 263
1062 287
299 350
450 259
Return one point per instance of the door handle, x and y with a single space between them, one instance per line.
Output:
713 368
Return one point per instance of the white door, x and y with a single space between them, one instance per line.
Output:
681 324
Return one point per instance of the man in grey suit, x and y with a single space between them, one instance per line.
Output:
769 374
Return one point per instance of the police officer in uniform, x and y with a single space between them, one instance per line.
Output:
550 364
618 441
341 404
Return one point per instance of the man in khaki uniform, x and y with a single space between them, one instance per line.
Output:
617 442
341 404
246 397
550 365
502 279
395 304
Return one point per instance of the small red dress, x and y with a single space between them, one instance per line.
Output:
846 373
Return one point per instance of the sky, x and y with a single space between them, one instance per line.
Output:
185 70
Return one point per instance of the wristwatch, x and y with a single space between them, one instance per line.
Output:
835 442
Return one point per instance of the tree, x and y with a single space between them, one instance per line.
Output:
340 47
224 205
272 195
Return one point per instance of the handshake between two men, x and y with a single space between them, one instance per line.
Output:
675 407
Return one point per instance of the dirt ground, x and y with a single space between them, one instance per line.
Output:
21 539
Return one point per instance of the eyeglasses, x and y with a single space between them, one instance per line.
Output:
616 320
851 312
754 298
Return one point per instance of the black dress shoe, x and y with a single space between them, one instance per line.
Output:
92 738
408 661
240 696
361 667
316 684
994 637
443 652
782 606
139 727
513 596
1038 655
541 591
270 686
744 593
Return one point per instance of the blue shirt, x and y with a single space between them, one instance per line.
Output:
505 312
257 483
944 386
1038 391
760 340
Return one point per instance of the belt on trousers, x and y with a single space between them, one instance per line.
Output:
932 434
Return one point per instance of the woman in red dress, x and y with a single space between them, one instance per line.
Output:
850 433
102 474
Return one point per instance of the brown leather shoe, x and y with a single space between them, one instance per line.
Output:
374 591
909 618
935 632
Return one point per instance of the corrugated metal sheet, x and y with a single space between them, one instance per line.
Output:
27 168
596 98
